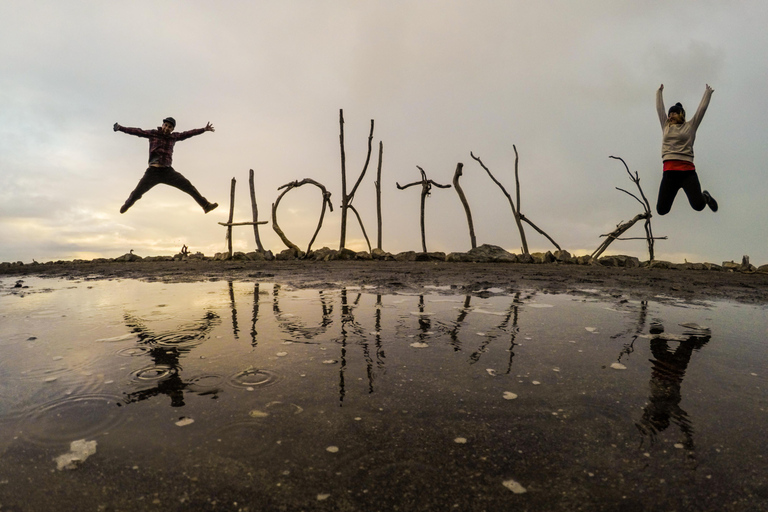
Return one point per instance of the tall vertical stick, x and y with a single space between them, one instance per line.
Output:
344 198
255 211
377 184
231 216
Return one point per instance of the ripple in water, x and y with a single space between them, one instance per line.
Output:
133 351
253 377
64 420
155 372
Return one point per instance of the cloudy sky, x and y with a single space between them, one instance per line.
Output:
567 82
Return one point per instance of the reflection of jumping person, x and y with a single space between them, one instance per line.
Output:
677 154
161 143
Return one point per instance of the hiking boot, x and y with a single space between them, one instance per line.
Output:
124 208
210 207
710 201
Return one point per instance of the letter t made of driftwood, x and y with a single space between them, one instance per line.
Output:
426 186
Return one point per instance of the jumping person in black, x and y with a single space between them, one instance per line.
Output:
677 154
161 143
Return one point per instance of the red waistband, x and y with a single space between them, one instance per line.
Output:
678 165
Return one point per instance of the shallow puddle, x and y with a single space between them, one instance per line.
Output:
255 396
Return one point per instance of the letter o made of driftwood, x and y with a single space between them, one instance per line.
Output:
288 187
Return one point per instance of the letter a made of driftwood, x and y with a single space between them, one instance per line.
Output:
346 199
516 211
624 226
291 186
426 186
463 198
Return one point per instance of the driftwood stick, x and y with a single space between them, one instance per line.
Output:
344 197
231 215
637 238
534 226
646 206
359 220
255 212
515 211
377 184
456 175
326 201
243 223
621 228
365 167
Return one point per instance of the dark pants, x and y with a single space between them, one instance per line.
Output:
674 181
167 175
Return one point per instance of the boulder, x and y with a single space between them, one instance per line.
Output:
563 256
525 258
129 257
405 256
324 254
430 256
347 254
459 257
492 254
363 255
378 254
289 254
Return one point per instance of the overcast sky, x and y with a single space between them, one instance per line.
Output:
567 82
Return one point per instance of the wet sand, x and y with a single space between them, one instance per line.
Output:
393 276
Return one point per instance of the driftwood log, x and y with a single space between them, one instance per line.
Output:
288 187
624 226
463 198
516 211
346 198
377 184
426 186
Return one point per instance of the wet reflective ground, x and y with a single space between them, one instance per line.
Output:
253 396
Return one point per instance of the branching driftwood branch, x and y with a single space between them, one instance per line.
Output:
346 198
426 186
463 198
288 187
516 211
622 227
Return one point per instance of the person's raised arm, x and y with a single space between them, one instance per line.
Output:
699 115
197 131
131 131
660 106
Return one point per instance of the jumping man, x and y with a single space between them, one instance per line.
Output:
161 141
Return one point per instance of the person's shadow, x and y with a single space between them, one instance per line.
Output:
166 349
668 370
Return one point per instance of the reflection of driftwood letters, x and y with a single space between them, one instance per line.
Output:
426 186
291 186
516 211
624 226
346 199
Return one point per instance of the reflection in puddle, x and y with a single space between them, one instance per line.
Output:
429 401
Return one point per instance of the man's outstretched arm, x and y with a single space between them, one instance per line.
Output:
191 133
132 131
